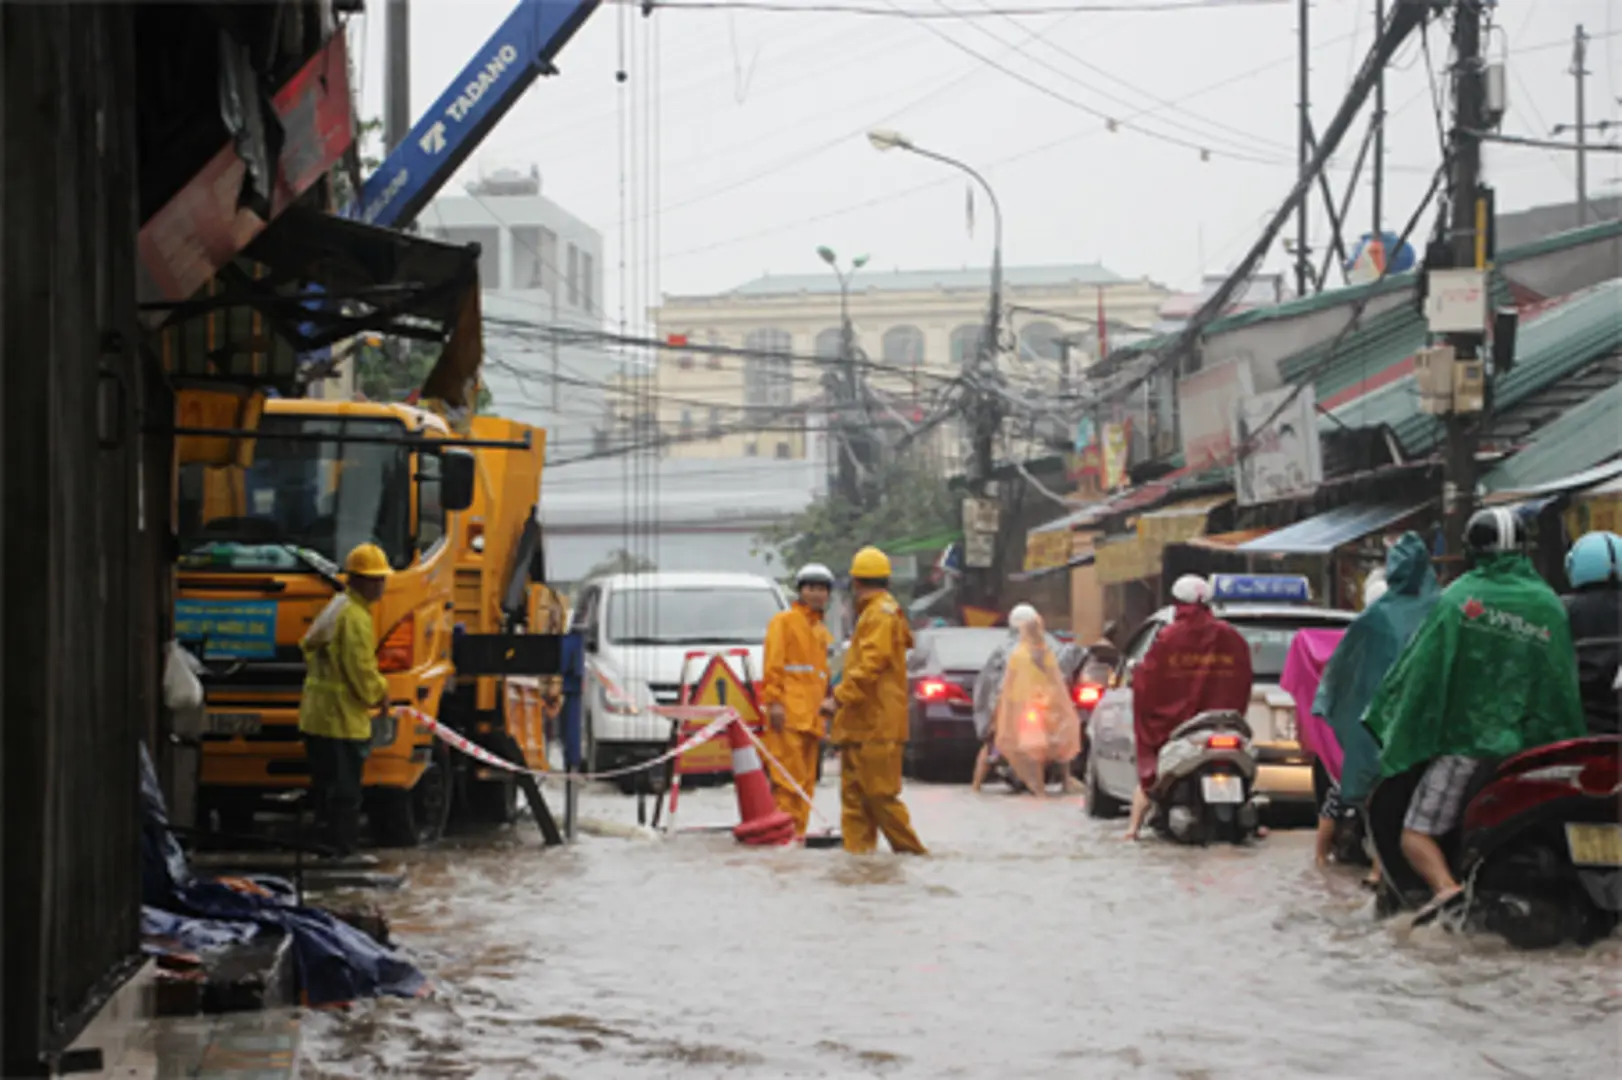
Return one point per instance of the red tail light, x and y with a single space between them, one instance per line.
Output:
1579 767
1223 742
1087 694
399 648
941 690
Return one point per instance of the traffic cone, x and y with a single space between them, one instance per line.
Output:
760 822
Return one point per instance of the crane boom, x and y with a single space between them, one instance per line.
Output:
521 49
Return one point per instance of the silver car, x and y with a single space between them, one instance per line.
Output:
1284 772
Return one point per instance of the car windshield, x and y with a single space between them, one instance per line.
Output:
301 496
1270 643
690 616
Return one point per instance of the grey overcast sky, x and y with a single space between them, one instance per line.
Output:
758 119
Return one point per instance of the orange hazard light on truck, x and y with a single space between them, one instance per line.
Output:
399 647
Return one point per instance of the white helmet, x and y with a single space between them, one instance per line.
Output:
814 573
1020 615
1191 589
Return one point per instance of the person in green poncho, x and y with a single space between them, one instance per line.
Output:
1490 672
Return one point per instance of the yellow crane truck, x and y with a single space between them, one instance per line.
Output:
261 540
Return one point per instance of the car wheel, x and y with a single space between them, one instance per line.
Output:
1100 804
404 819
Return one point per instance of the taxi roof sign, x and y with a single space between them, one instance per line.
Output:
1273 588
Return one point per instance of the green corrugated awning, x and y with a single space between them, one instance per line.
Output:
1583 437
913 545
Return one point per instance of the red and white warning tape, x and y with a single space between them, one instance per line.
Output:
760 745
719 717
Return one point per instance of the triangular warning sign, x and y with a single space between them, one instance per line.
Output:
718 685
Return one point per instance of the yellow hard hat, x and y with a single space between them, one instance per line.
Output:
367 560
870 562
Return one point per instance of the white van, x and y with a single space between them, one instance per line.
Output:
638 629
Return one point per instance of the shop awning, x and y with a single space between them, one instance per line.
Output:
1574 481
1327 531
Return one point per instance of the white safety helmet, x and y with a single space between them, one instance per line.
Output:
813 574
1020 615
1191 589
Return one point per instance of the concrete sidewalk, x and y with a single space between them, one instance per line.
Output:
229 1046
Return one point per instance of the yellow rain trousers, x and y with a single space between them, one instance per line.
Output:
795 677
871 730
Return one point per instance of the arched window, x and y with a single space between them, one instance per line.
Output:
828 342
904 346
767 379
966 342
1039 341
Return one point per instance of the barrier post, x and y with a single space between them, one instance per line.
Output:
574 672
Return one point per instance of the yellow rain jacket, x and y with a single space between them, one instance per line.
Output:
872 691
796 675
342 686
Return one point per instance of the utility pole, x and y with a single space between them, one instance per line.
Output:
396 73
1303 151
847 393
1468 248
1579 54
1379 143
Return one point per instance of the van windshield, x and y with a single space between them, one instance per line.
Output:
690 616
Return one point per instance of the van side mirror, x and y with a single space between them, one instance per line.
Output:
456 476
589 635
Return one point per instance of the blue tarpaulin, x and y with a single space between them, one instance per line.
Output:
335 962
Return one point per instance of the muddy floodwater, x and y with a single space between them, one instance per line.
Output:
1032 943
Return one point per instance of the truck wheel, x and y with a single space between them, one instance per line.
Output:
403 819
492 802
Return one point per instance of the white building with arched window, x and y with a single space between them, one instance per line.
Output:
913 329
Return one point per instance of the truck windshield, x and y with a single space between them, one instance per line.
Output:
301 495
692 616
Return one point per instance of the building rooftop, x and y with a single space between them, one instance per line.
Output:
969 278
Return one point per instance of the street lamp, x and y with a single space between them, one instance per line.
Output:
847 392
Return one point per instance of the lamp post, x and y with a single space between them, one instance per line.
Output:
844 385
985 407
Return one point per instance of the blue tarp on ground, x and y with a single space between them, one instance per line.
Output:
335 962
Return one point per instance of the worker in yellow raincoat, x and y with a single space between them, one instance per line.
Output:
870 714
793 687
342 690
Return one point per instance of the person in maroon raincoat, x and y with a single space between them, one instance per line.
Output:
1198 663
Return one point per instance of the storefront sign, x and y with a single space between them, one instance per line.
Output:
1275 436
1045 550
1205 402
202 227
1124 559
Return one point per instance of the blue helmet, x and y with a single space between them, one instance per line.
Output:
1594 559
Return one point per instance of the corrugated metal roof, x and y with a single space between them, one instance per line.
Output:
1560 341
1327 531
971 278
1567 449
1331 298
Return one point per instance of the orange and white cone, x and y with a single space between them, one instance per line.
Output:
760 822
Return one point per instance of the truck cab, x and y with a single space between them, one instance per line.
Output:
261 543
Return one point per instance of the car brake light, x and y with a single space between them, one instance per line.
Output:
1087 694
1223 742
399 646
940 690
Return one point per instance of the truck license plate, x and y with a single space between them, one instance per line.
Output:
1222 788
1594 845
234 723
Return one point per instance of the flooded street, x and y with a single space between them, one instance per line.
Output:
1032 943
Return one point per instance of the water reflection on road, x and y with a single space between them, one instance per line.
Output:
1032 943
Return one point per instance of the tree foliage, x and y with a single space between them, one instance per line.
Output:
910 501
620 561
381 378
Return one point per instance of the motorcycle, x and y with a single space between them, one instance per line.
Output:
1539 846
1204 782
